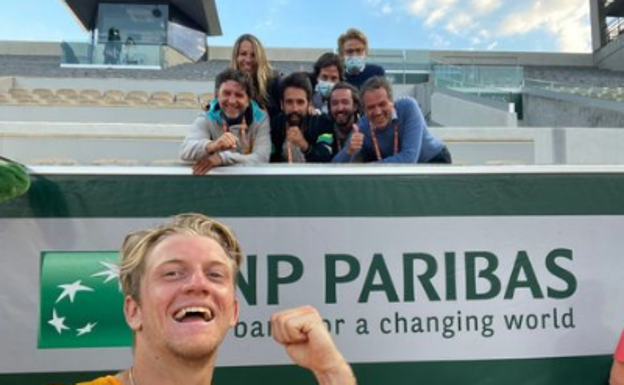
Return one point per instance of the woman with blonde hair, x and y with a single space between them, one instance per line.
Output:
249 56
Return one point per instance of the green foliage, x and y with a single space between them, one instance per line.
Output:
14 180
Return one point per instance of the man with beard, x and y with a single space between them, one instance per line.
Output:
233 130
393 131
344 106
179 284
296 135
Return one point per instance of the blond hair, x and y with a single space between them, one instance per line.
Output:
264 71
352 33
137 245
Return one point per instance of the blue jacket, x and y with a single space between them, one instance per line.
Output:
416 143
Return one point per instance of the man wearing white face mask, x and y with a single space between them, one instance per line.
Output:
353 48
328 70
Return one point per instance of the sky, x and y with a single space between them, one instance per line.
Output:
482 25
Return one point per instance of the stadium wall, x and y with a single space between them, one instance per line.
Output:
85 143
149 85
462 110
543 108
100 114
611 56
30 48
513 58
311 54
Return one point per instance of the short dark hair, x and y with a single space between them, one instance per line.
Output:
354 95
299 80
237 76
376 83
328 59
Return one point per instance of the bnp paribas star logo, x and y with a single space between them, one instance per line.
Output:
81 304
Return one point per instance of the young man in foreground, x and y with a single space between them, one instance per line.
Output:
179 283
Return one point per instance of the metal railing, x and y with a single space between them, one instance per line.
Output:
494 83
111 54
503 77
403 66
614 94
614 29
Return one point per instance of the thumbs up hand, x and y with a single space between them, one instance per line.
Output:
356 141
295 136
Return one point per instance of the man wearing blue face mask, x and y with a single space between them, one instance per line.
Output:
328 70
353 48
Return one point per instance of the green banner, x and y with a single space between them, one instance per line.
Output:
419 195
383 237
81 301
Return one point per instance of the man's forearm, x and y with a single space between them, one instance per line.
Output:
341 375
211 147
617 373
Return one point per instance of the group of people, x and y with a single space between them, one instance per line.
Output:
179 278
344 111
113 49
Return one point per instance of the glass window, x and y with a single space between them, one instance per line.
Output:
190 42
143 24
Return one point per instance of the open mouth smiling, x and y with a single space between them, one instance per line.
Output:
193 314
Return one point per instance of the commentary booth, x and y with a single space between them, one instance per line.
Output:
141 34
425 275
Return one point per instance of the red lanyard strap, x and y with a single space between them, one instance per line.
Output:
289 155
376 142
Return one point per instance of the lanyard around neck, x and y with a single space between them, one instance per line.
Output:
289 150
376 142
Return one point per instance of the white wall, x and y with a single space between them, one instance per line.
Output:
453 111
594 146
146 143
611 56
6 83
97 114
150 85
85 143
